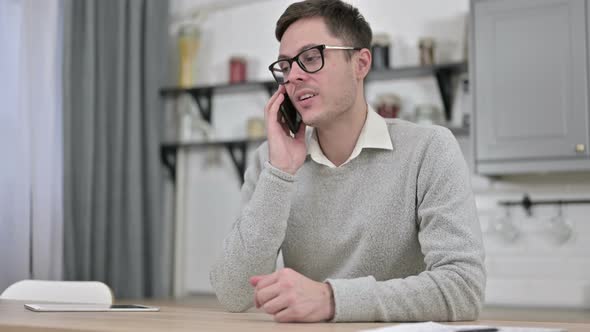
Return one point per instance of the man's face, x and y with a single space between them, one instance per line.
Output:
334 87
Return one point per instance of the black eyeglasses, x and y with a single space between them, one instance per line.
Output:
311 60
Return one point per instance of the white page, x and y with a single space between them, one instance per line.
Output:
436 327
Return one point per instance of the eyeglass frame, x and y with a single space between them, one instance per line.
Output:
320 48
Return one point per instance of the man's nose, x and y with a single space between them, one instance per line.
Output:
296 72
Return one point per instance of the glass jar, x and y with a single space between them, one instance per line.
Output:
237 69
255 128
426 46
380 51
388 105
188 45
427 114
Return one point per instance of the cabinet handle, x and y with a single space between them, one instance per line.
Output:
580 148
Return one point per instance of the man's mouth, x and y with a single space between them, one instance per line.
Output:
306 96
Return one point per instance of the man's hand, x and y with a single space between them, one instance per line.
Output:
285 152
291 297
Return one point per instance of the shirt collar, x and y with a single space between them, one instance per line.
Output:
374 135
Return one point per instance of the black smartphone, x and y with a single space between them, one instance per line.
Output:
289 115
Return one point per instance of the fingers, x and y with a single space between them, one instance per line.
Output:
275 95
263 296
283 125
260 282
267 280
286 129
291 297
274 103
276 305
300 135
254 280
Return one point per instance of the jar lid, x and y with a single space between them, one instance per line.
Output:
239 58
389 99
426 42
189 30
381 39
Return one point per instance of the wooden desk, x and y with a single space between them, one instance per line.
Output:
187 316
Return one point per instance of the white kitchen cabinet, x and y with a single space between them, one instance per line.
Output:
529 74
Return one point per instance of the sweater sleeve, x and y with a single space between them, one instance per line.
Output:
451 287
252 246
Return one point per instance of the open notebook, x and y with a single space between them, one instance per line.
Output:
436 327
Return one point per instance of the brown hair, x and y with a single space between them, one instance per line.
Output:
343 20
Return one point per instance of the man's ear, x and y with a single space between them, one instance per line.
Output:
363 63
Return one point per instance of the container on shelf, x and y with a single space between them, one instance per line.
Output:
188 45
237 69
428 114
380 51
255 128
426 47
388 105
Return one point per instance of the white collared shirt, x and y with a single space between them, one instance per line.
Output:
374 135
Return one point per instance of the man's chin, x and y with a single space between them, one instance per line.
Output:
311 121
310 124
315 123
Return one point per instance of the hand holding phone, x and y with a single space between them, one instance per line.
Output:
289 115
287 150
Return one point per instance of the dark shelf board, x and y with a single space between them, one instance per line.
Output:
459 131
416 71
208 144
374 75
222 88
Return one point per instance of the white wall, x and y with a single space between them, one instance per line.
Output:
528 272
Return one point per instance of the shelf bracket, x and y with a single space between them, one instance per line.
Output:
168 158
237 151
444 78
239 159
203 98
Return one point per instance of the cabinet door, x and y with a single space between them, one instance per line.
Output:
531 98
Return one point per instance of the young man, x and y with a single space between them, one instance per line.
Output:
376 220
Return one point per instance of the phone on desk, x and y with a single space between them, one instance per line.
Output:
60 307
289 115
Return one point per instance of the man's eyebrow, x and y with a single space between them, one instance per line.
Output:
282 56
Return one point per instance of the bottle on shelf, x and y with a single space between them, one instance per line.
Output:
188 46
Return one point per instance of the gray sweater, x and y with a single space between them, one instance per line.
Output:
394 232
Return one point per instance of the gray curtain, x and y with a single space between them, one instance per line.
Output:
114 64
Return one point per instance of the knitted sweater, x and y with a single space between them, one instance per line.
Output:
394 232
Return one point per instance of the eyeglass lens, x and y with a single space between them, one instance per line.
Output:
310 61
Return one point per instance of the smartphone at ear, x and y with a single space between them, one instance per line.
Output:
289 114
